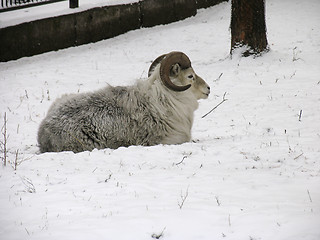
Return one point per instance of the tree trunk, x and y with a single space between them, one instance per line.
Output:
248 26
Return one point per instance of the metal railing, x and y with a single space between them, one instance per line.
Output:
10 5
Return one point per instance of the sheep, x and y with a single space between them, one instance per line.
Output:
157 110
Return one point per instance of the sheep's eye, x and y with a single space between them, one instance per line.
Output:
190 76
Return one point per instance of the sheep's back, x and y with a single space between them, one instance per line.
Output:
109 118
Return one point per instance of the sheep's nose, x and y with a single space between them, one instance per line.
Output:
208 88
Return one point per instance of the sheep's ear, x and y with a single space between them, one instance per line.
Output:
175 70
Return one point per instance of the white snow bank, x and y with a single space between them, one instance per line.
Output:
15 17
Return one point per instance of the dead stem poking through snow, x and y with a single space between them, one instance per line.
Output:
223 100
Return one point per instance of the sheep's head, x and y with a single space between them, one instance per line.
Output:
177 74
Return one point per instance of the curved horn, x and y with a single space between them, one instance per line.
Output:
155 63
166 64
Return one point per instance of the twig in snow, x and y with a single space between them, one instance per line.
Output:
183 198
229 220
184 157
293 74
107 179
16 163
48 95
295 54
309 195
28 184
5 138
218 201
25 91
158 236
223 100
300 115
218 77
298 156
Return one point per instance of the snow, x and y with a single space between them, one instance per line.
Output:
252 170
11 18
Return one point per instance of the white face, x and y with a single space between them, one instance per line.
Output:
199 87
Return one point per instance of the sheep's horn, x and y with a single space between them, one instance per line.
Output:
166 65
155 63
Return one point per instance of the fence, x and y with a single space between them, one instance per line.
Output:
9 5
92 25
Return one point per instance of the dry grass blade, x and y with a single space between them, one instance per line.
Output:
223 100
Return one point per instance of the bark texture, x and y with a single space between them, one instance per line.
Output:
248 26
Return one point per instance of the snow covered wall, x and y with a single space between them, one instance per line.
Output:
92 25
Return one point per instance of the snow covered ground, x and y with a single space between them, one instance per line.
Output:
51 10
252 170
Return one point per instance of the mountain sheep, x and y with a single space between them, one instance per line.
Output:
158 110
